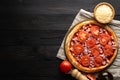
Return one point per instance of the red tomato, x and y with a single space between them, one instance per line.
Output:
78 48
95 51
98 61
108 46
108 52
65 66
85 60
94 30
91 42
104 38
82 36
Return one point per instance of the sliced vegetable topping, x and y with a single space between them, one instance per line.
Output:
104 38
91 42
82 35
85 60
95 31
108 52
109 47
98 61
95 51
78 48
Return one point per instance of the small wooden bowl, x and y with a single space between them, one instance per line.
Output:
104 12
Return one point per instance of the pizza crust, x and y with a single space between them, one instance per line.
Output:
68 38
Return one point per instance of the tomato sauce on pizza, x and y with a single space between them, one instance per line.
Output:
92 46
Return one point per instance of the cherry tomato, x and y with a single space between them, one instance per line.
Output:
85 60
91 42
104 38
82 36
95 31
78 48
65 66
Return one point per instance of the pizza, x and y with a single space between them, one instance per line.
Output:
91 46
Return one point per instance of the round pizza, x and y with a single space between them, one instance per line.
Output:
91 46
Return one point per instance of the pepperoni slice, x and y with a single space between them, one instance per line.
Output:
95 51
98 61
104 38
85 60
108 52
82 36
91 42
78 48
95 31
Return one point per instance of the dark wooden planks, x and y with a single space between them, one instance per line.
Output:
29 61
38 21
31 33
35 29
51 6
31 37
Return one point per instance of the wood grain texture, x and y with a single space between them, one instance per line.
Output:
37 21
31 33
32 37
52 6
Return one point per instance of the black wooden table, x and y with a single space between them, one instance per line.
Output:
31 32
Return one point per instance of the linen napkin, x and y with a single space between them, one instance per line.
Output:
115 25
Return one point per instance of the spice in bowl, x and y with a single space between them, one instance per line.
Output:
104 12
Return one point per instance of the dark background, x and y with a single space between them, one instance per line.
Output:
31 32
